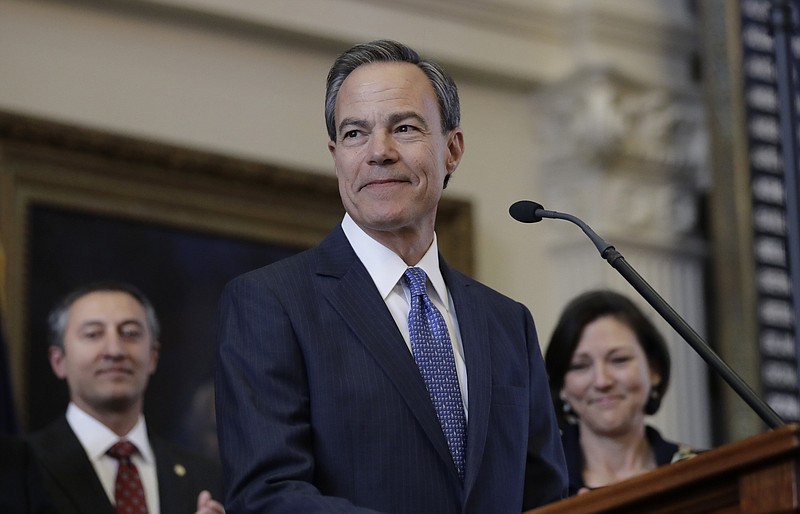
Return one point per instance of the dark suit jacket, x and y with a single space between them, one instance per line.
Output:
21 485
76 489
322 409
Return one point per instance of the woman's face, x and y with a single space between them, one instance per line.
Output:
609 378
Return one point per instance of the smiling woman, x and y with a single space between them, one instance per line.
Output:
609 379
609 368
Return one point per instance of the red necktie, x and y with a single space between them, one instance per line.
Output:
128 491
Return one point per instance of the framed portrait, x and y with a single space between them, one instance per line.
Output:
80 205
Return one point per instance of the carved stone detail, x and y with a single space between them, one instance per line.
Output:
601 116
623 206
632 159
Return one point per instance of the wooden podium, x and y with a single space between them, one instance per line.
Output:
758 475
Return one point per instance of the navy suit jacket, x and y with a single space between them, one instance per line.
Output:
74 486
321 407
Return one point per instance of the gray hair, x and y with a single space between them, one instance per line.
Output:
57 320
385 50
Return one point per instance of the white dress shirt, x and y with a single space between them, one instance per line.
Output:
96 439
386 269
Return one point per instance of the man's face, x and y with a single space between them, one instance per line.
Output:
390 154
108 355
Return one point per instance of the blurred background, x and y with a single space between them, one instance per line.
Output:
143 138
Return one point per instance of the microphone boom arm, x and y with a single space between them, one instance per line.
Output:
618 262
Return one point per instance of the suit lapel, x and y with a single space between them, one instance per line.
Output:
357 300
172 492
475 339
65 463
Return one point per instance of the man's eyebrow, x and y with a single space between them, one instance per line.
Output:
352 122
394 119
100 323
91 323
402 116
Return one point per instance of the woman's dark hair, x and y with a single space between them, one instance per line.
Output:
583 310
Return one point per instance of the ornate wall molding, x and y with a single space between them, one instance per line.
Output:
629 157
513 43
601 115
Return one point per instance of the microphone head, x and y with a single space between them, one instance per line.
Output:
525 211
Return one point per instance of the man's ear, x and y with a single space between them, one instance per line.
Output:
56 357
154 355
455 150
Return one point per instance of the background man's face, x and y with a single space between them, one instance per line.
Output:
108 354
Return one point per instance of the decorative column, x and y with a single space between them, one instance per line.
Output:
630 161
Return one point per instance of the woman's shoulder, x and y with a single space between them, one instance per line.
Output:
666 451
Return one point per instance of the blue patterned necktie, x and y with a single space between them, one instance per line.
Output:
431 347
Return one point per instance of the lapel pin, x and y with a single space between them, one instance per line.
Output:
179 470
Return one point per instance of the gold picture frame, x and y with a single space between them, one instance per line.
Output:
94 176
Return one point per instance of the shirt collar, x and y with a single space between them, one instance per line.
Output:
386 267
96 438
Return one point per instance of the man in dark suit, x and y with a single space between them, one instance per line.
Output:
326 399
105 345
21 486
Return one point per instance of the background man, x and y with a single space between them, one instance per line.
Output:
105 345
366 375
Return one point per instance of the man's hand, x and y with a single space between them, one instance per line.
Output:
207 505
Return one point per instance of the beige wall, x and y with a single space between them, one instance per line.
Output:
259 96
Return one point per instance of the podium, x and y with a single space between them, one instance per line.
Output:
758 475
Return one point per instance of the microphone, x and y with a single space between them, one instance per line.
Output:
527 211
